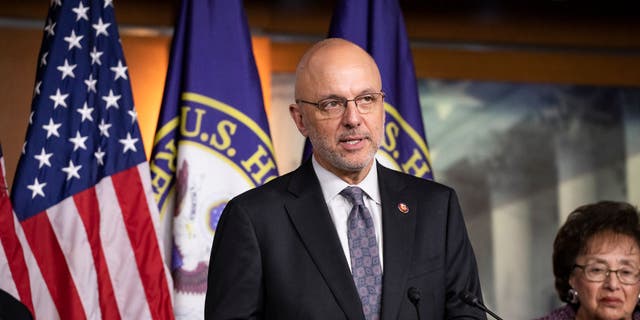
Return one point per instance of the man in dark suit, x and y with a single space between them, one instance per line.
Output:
341 237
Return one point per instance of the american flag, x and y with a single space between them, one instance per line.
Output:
14 276
82 191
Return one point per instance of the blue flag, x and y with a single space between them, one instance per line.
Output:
378 27
212 141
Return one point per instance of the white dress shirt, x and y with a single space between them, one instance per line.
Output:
340 207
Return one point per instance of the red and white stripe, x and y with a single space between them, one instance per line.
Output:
14 275
98 253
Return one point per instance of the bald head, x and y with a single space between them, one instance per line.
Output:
325 61
345 142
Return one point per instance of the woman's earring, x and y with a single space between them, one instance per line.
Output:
573 296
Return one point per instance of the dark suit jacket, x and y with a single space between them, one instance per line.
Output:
276 254
12 309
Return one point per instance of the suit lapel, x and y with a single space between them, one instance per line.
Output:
310 216
398 230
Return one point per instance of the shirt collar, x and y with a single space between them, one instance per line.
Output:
331 184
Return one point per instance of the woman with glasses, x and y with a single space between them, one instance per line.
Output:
596 263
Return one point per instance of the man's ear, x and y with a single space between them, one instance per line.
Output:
296 115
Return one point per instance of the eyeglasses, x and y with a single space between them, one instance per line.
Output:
335 106
598 272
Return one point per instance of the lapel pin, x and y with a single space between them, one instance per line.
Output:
403 207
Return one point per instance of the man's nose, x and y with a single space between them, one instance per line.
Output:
351 116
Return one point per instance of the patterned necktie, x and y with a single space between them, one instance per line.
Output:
365 257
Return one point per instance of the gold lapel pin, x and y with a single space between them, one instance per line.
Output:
403 207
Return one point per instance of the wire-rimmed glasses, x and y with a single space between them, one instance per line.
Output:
598 272
335 106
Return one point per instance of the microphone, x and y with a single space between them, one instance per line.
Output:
414 296
473 301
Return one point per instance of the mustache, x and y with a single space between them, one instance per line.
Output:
354 133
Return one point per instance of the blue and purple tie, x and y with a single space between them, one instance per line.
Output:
365 257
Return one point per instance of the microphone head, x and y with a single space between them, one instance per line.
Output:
414 295
468 297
